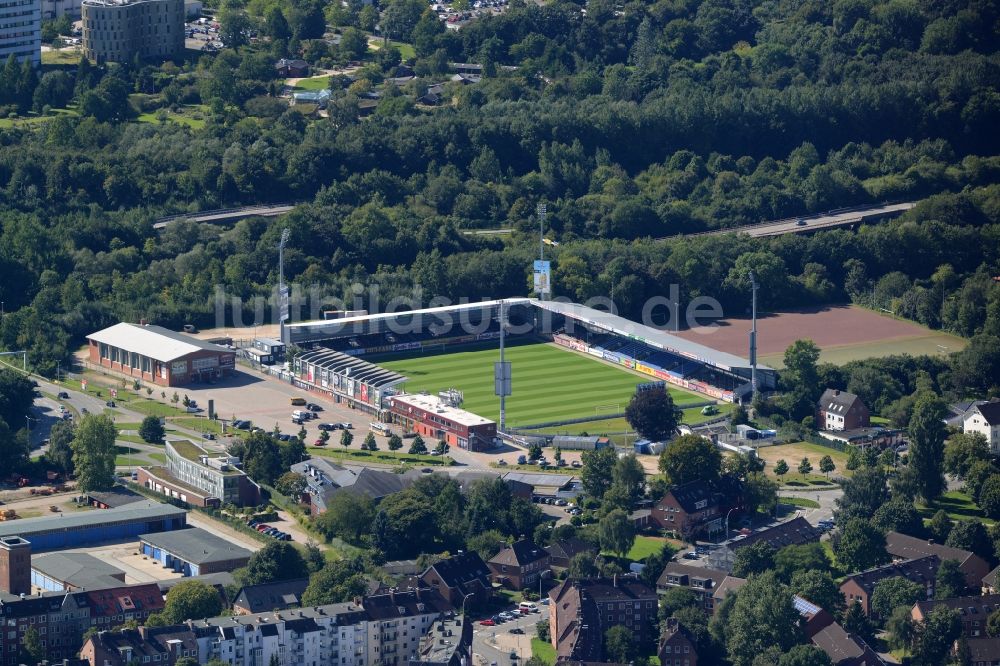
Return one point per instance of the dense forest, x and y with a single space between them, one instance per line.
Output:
631 121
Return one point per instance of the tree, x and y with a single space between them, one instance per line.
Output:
278 560
691 458
234 28
582 566
971 535
993 624
819 588
805 655
534 451
940 526
597 471
800 373
336 582
900 628
856 622
781 468
935 636
676 598
652 414
759 492
291 484
628 478
347 516
826 465
261 457
805 467
863 494
94 452
989 497
151 430
276 25
417 446
487 543
346 438
191 600
619 644
186 661
927 433
860 546
891 593
760 618
395 442
617 533
31 647
962 450
60 452
441 448
756 558
950 581
898 515
803 557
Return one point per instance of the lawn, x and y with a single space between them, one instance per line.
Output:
66 56
794 452
644 547
799 501
186 116
314 84
199 423
154 408
333 450
405 50
549 384
957 505
692 416
543 651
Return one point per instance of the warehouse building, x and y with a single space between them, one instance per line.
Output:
70 572
430 417
158 355
193 476
193 552
73 530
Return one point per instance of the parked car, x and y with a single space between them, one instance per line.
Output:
691 555
298 402
319 442
313 407
347 426
561 502
575 463
487 623
260 527
502 463
522 460
326 426
299 421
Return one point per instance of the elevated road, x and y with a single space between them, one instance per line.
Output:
844 217
226 215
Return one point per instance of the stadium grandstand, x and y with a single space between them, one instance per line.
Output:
614 339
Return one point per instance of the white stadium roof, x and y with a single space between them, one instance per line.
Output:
156 342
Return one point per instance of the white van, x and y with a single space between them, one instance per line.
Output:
527 607
300 414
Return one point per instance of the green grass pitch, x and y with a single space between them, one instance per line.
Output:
549 384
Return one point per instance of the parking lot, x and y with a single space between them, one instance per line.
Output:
504 638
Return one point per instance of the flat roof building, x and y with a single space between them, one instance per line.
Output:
193 551
21 31
430 417
193 476
58 572
120 30
158 355
85 528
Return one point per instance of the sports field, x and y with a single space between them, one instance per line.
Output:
549 383
842 332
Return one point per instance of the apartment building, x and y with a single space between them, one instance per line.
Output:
21 30
120 30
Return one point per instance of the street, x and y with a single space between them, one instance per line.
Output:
496 644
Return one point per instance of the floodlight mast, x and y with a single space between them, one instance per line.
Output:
542 209
282 296
754 286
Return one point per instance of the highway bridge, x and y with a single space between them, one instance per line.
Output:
844 217
226 215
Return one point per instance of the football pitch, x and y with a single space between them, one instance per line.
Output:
548 383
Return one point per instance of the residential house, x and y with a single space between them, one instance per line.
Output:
840 410
730 585
462 578
696 506
794 532
324 479
291 69
270 596
842 648
859 587
990 583
448 643
699 580
984 651
903 546
562 552
581 611
520 565
164 645
973 611
677 646
984 418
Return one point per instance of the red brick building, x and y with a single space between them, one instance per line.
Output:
697 506
160 356
433 419
677 647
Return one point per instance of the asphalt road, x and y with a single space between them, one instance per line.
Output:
495 644
813 223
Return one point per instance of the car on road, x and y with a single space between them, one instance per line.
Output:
800 222
63 395
208 435
513 655
691 555
517 630
110 403
487 623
